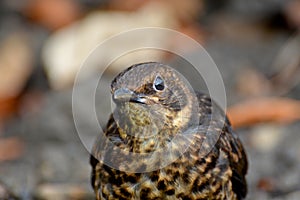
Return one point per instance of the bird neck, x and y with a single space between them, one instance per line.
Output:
146 141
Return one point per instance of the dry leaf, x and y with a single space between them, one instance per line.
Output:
265 109
10 148
53 14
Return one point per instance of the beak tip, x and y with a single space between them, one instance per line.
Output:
122 94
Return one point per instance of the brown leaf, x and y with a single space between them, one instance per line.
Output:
10 148
292 13
264 109
266 184
53 14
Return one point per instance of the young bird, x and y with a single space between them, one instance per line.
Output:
166 141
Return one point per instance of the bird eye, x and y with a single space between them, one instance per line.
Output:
159 84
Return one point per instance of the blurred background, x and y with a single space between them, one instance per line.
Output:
255 45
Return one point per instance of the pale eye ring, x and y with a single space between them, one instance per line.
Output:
158 84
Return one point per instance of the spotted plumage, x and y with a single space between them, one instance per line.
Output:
168 142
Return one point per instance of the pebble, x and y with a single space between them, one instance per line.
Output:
266 137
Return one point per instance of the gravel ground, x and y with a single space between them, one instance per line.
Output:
56 162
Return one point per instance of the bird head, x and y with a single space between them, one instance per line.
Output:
151 97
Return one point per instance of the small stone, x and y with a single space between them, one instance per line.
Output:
63 191
5 193
266 137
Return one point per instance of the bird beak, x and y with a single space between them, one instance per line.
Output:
126 95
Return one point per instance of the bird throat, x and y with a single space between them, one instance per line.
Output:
143 127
